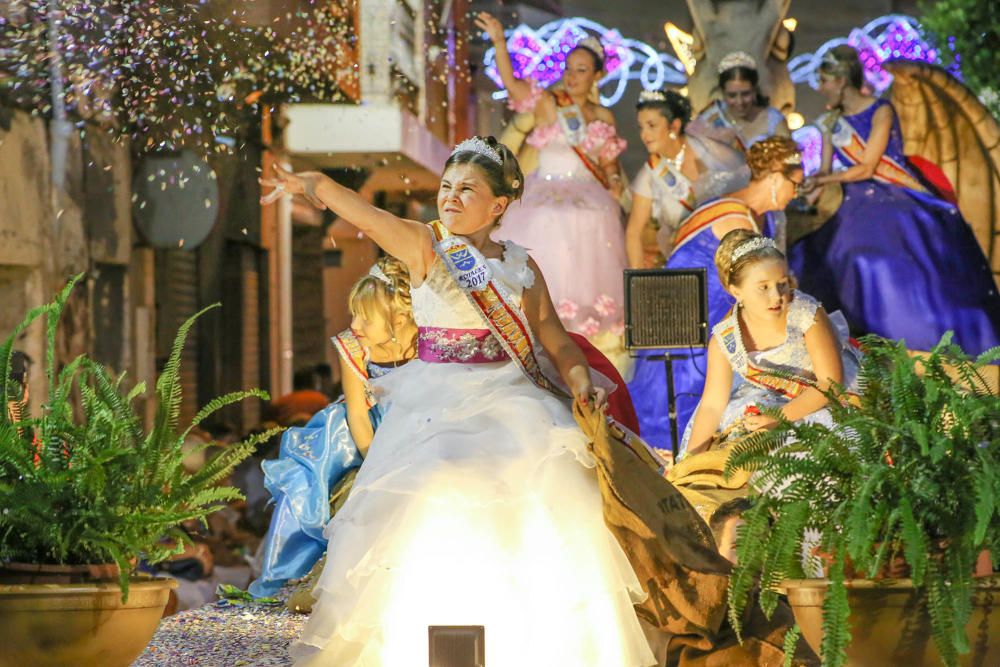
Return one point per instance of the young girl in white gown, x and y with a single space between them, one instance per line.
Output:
477 503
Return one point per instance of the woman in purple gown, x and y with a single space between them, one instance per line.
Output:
896 258
776 168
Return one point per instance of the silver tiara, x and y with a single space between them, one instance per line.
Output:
593 45
737 59
477 145
752 245
377 273
652 96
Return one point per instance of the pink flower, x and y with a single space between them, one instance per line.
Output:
529 103
542 135
567 310
603 141
590 327
605 306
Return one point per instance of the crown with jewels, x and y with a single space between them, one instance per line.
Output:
477 145
652 96
377 273
737 59
593 45
752 245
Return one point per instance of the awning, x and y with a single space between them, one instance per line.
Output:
400 151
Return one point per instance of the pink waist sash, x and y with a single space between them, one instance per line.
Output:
458 346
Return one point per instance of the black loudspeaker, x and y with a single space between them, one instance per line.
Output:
666 308
457 645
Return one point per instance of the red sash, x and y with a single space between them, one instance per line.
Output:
355 358
493 303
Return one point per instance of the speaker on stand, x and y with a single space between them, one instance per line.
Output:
667 309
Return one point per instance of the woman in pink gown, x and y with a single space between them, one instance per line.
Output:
569 218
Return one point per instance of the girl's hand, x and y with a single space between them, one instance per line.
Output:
758 422
589 396
288 183
492 27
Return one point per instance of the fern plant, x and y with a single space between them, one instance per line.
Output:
909 469
91 485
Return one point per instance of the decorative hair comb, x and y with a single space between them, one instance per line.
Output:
752 245
737 59
593 45
477 145
794 158
652 96
377 273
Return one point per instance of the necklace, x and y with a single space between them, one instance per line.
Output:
677 160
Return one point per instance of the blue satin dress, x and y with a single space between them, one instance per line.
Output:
312 460
897 261
648 386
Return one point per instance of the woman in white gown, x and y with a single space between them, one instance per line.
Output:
477 503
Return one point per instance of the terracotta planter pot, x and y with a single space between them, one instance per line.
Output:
79 625
890 625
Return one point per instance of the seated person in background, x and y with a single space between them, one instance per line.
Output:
305 399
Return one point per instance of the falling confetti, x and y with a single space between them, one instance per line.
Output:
172 74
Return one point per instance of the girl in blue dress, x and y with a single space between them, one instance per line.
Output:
315 458
776 169
896 258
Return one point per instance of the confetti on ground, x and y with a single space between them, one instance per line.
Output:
224 635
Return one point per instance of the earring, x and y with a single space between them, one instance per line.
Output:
774 194
673 135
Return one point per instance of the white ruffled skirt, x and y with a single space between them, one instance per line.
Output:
477 505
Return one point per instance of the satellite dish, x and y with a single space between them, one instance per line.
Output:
175 199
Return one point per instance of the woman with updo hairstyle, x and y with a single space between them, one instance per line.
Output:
776 167
742 116
896 257
322 457
570 217
684 169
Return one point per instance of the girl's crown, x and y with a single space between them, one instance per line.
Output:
737 59
477 145
593 45
752 245
377 273
652 96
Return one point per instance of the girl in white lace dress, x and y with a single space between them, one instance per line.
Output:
773 327
477 503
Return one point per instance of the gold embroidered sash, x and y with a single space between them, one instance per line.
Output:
493 302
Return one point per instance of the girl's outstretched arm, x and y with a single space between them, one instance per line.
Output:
565 354
407 240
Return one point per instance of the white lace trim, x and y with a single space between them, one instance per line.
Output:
515 265
802 312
